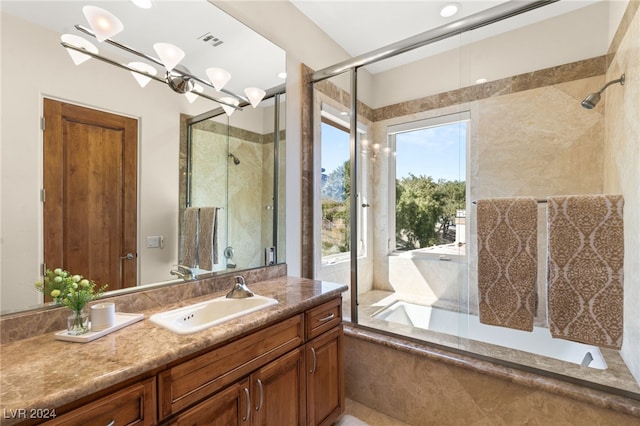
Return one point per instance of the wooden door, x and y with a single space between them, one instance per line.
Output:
90 202
278 391
325 377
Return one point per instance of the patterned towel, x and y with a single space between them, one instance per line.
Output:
208 238
585 268
507 261
190 242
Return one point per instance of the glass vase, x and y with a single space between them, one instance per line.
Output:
77 323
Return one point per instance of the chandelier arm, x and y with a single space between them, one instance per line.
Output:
110 61
153 77
133 51
121 46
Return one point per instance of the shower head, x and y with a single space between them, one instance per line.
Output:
236 160
593 98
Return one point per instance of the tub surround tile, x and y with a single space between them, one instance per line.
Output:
472 390
42 372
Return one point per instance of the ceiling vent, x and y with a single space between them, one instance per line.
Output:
209 38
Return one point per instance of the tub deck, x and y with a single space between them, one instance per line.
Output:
616 375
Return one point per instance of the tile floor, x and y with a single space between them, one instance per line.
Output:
368 415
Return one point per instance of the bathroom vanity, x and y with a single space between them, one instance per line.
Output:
281 365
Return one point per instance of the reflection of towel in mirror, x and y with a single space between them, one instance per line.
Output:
208 238
190 242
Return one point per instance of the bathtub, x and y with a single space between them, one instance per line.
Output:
539 341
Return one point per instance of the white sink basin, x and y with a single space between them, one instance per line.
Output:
200 316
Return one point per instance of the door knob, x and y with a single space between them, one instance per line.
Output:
129 256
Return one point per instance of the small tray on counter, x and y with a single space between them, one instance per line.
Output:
122 320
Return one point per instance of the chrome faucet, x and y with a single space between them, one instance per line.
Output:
240 289
182 271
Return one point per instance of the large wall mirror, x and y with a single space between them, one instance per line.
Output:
178 140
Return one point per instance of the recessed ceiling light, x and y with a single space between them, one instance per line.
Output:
449 10
282 75
481 80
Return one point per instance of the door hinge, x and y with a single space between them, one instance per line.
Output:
42 123
44 269
43 195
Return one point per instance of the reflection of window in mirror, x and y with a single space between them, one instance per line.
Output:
429 170
335 191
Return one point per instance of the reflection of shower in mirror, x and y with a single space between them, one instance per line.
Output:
236 160
229 252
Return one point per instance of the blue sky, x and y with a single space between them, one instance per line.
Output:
438 152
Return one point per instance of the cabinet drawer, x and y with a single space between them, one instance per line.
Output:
196 379
323 318
133 405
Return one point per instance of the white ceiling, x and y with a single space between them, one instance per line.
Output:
361 26
182 23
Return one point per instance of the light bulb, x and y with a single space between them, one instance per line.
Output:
218 77
103 23
76 41
142 80
191 97
169 54
229 110
255 95
143 4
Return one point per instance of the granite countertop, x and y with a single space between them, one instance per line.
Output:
44 373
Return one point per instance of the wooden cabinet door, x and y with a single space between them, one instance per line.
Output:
133 405
325 377
231 406
278 391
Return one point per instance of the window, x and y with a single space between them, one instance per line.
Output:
429 170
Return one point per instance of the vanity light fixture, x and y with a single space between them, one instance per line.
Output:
140 77
103 23
169 54
218 77
84 45
225 106
450 9
191 96
143 4
255 95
